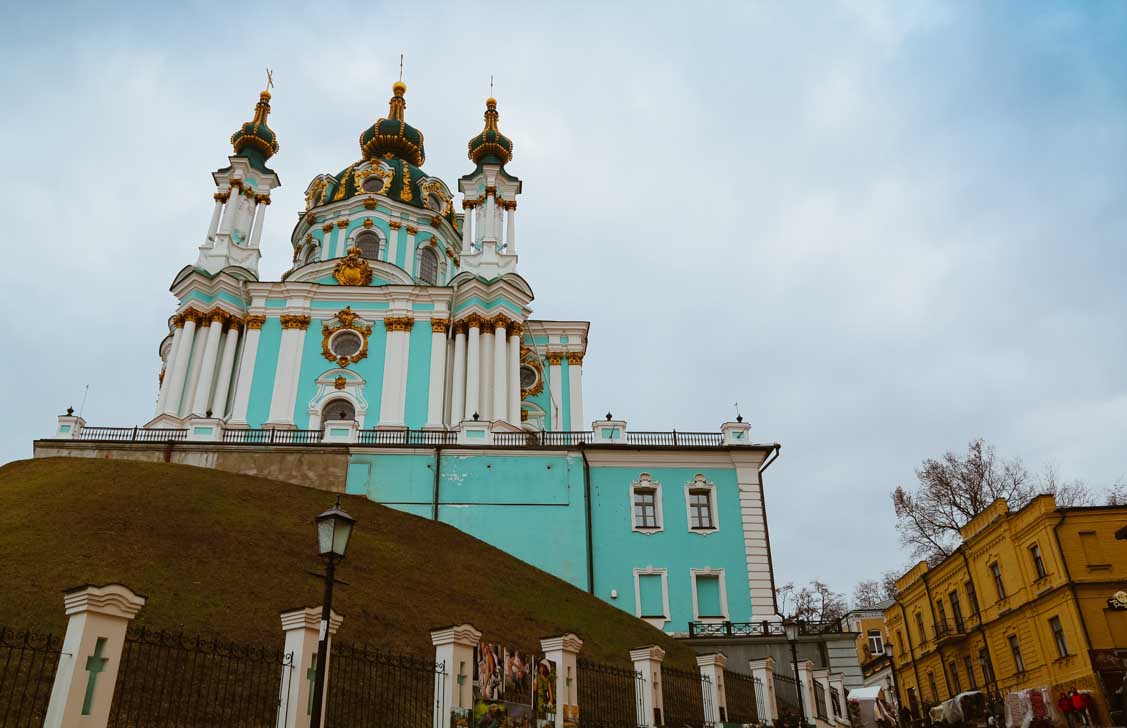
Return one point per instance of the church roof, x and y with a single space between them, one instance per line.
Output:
490 145
394 135
255 140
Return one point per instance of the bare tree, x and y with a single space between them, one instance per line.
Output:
953 490
888 583
1117 494
873 591
813 603
1068 493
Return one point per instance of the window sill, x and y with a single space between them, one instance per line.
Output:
1064 658
703 531
1099 567
647 531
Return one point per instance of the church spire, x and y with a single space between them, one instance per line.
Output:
490 145
394 135
255 139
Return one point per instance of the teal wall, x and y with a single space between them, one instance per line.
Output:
314 364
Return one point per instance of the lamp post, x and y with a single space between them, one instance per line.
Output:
334 526
790 628
889 649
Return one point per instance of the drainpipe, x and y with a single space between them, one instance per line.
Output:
911 653
437 476
587 509
981 621
1068 575
766 530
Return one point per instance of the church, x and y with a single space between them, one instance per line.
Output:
399 358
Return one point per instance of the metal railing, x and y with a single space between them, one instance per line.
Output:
27 671
407 437
758 629
171 679
273 437
675 439
745 698
132 434
688 698
950 629
820 701
373 687
610 695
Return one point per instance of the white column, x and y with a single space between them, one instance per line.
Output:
563 651
458 393
555 391
173 350
712 684
647 660
806 689
764 669
437 372
98 617
232 206
510 228
246 211
473 368
487 371
178 372
501 371
284 396
393 392
478 224
448 386
410 258
453 649
393 243
199 343
259 216
467 227
490 217
246 370
207 367
514 375
575 385
226 369
302 628
215 215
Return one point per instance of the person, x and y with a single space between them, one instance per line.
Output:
492 717
1064 705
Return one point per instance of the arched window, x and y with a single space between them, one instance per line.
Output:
338 409
310 253
369 244
434 202
428 266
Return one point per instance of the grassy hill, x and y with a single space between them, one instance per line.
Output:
222 555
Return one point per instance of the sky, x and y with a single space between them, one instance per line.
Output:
883 228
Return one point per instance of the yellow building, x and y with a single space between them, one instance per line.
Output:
873 644
1028 600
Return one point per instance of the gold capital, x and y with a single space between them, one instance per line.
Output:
327 227
575 357
255 321
295 322
439 326
342 224
554 357
398 323
394 224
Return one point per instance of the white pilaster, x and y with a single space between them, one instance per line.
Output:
563 651
651 703
410 260
487 347
178 372
448 385
207 366
473 369
458 386
231 207
226 369
170 362
555 391
454 648
284 397
510 229
467 228
437 372
246 370
479 225
575 385
216 213
394 390
514 376
501 371
199 344
259 215
757 550
393 243
302 628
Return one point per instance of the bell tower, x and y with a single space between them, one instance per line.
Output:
489 241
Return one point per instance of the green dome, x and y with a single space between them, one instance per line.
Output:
255 136
394 137
491 145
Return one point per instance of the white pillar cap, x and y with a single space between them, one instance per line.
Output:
767 663
465 635
649 652
310 618
112 600
567 642
719 659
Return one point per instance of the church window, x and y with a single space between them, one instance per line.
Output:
428 266
709 594
345 343
700 502
434 202
339 409
651 594
528 377
373 183
369 244
645 505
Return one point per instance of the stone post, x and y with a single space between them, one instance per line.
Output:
340 431
764 669
475 432
454 648
563 650
205 429
806 689
837 681
609 431
715 700
91 655
736 433
70 426
651 704
302 628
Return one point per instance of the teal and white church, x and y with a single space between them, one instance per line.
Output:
399 358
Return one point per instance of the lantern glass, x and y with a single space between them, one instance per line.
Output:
790 628
334 527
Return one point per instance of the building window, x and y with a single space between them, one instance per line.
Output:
1038 562
339 409
651 595
987 666
968 665
933 686
1058 636
645 504
428 266
941 615
709 599
434 202
1015 650
956 687
876 642
920 627
998 585
900 641
369 243
973 596
700 503
956 611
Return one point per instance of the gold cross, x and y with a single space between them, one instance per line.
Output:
400 66
269 79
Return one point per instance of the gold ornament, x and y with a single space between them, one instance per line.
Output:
399 323
348 319
342 224
554 358
370 203
255 321
439 326
353 270
295 322
340 382
575 357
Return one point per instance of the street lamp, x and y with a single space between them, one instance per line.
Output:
791 629
334 527
889 649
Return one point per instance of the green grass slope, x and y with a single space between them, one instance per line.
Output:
222 555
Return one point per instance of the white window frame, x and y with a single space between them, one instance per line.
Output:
645 482
693 574
869 636
381 236
699 482
658 622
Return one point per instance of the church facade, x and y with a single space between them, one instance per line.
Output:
399 358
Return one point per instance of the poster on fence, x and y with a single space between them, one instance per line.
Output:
488 681
545 696
461 718
570 716
518 677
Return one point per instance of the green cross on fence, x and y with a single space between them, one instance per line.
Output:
311 676
95 664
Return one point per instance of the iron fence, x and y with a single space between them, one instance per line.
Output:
744 695
609 697
27 670
132 434
272 437
736 629
563 438
370 687
407 437
688 698
820 701
168 679
516 439
675 439
788 699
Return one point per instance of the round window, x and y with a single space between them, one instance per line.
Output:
346 343
528 377
373 183
434 202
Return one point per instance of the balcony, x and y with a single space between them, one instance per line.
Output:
950 631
